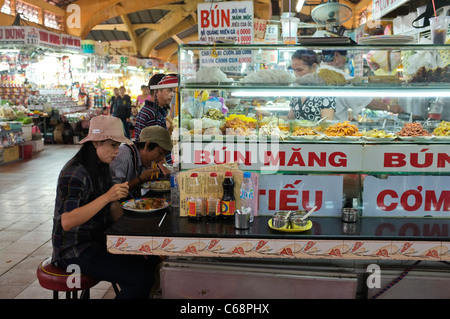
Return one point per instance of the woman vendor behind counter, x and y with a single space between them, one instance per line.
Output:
311 108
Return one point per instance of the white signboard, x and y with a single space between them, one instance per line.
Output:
226 60
271 156
297 192
18 35
382 7
407 196
407 158
231 21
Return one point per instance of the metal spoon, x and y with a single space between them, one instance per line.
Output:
323 118
289 226
309 213
134 199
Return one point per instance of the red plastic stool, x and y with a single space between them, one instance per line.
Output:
54 278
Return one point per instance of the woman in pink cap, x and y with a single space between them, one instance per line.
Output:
87 203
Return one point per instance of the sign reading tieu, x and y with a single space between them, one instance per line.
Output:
298 192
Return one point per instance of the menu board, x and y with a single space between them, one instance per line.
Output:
229 21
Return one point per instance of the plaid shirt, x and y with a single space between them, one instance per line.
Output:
74 190
150 115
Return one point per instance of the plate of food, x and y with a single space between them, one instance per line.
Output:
442 137
379 139
293 228
316 137
386 39
378 136
145 205
348 138
420 138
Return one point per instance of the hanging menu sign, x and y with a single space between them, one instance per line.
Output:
25 35
18 35
70 42
382 7
227 21
49 39
230 60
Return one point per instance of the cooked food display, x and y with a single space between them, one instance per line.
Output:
332 77
413 129
273 130
302 131
437 75
342 129
239 125
378 134
443 129
150 203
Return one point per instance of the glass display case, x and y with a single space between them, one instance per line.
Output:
368 126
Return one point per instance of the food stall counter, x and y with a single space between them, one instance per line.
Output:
329 237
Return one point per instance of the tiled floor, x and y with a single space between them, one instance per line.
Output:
27 194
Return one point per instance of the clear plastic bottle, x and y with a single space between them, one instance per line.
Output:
247 195
195 201
213 204
174 189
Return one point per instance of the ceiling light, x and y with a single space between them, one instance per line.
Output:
350 92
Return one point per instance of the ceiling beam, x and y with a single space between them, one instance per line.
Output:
169 52
122 27
134 39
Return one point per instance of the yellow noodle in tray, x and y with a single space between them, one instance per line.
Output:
443 129
378 134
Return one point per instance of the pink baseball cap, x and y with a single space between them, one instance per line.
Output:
103 128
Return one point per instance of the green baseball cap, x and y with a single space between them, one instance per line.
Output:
158 135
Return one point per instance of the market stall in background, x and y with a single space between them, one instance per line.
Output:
52 84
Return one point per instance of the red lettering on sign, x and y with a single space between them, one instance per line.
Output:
14 34
413 199
219 18
285 199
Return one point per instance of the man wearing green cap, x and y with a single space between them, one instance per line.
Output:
134 162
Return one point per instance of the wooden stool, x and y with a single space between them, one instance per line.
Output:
54 278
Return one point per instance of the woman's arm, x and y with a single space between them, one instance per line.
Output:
329 113
82 214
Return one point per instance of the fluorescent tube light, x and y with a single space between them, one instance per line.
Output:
343 93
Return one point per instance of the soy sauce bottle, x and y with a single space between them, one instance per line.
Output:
228 199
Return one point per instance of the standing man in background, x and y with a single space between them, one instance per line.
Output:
122 110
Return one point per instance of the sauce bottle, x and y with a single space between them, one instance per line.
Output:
213 205
228 199
195 202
